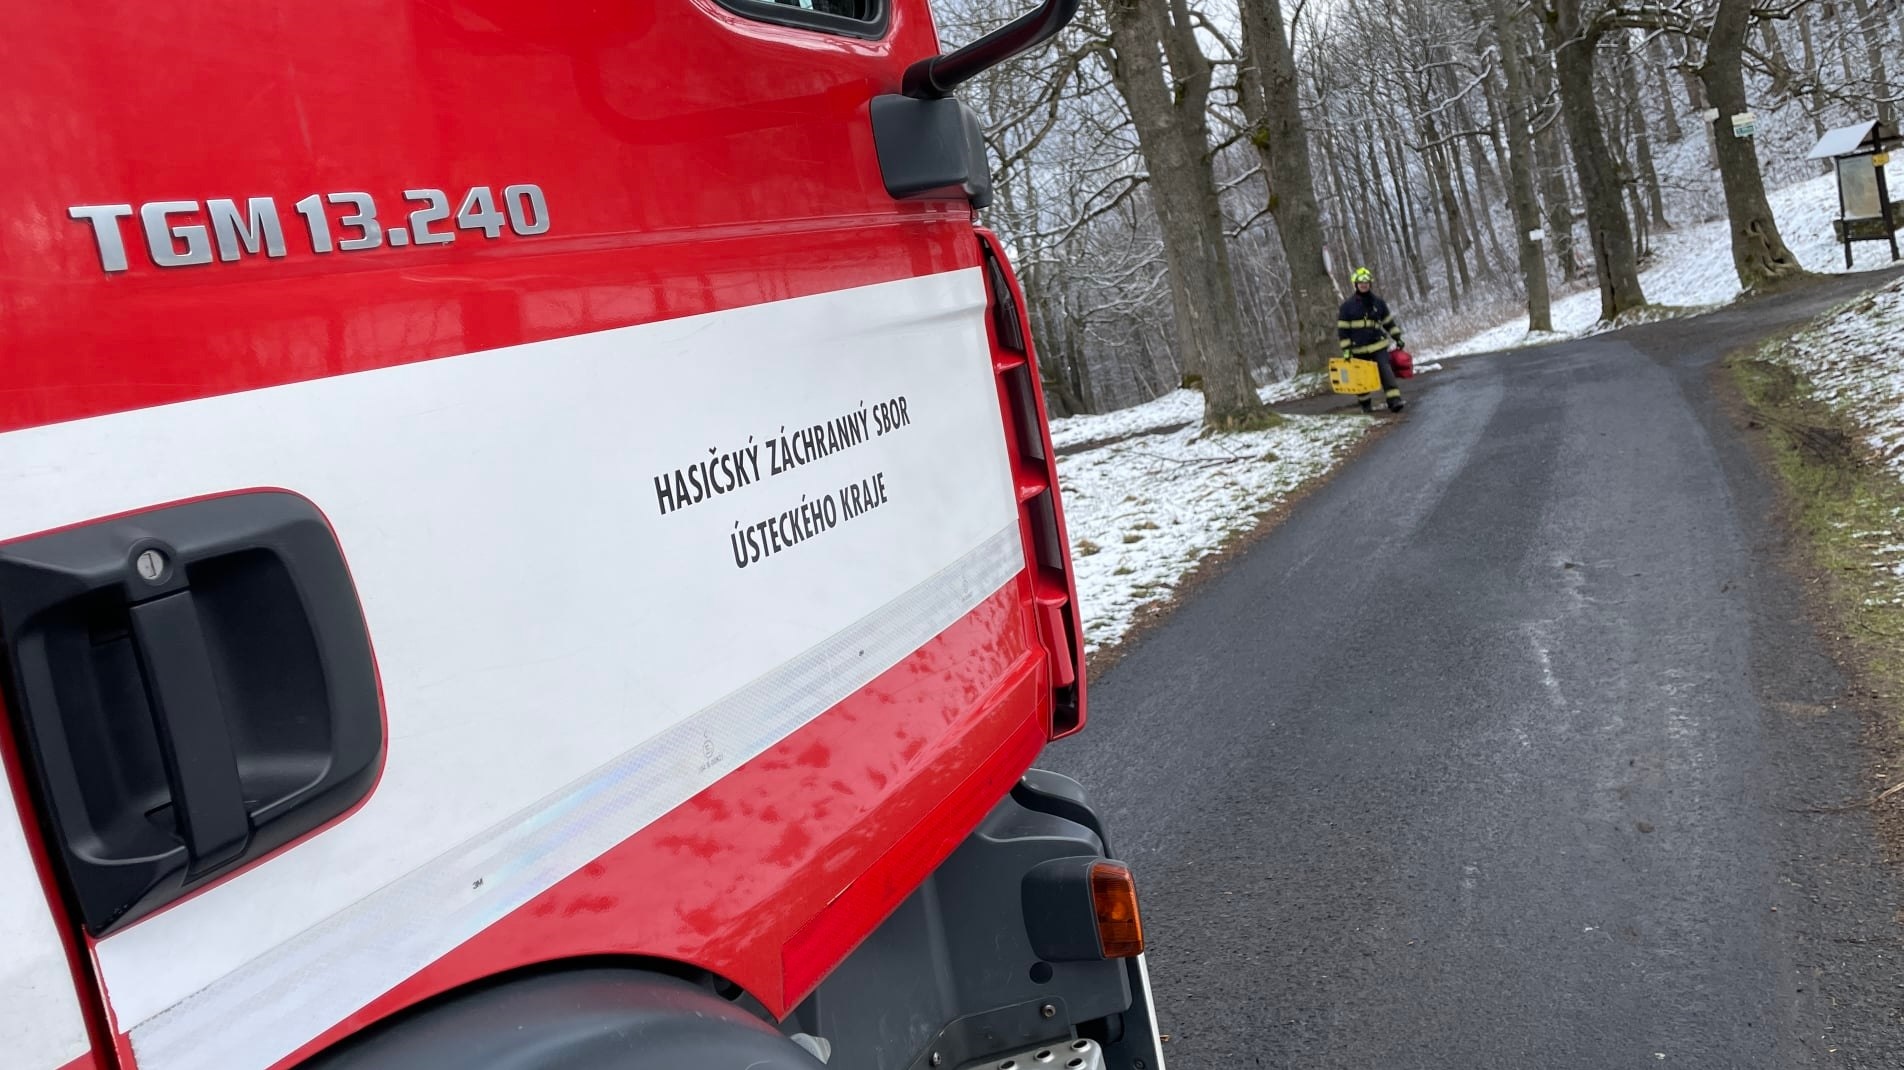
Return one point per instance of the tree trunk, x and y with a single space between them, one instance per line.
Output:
1553 177
1812 71
1636 215
1397 252
1331 158
1485 180
1669 115
1410 231
1282 143
1519 114
1873 31
1367 210
1846 65
1454 236
1758 251
1781 63
1483 223
1343 217
1058 358
1619 133
1645 172
1083 380
1173 133
1497 112
1449 256
1614 262
1696 98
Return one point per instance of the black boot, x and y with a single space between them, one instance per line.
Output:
1395 404
1368 404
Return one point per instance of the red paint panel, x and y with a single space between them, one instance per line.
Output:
835 822
692 161
834 932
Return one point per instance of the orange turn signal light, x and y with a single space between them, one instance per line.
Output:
1120 929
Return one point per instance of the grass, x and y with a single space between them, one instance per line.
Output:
1843 503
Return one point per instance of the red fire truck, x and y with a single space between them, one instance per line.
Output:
529 539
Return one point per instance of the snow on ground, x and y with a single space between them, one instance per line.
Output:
1692 266
1142 512
1171 410
1850 357
1145 506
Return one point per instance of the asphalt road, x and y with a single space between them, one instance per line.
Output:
1497 752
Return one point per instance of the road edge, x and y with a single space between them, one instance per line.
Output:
1214 564
1826 489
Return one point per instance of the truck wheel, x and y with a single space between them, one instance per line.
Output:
593 1019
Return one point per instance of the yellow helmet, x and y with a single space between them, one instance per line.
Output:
1362 275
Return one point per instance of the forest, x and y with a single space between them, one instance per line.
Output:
1186 185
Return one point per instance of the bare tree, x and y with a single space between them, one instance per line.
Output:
1526 207
1169 106
1873 30
1150 165
1615 261
1550 154
1758 251
1282 141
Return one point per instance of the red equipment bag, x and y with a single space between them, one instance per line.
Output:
1403 363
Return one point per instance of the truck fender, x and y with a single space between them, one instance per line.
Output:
582 1019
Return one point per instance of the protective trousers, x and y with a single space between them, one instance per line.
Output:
1390 390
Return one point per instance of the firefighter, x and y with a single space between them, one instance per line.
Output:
1367 329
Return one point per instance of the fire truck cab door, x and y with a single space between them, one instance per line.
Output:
42 1022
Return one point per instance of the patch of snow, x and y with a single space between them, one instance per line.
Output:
1691 270
1176 407
1846 357
1143 512
1171 410
1850 358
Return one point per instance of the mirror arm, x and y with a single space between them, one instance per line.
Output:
929 79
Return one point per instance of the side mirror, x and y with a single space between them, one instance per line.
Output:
932 78
929 144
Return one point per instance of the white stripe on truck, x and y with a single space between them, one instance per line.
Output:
546 620
41 1026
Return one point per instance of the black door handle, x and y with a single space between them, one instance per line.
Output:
194 739
195 689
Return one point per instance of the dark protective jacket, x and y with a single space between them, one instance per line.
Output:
1365 326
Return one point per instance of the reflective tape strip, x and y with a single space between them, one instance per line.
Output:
278 1002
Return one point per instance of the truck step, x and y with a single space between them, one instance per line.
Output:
1074 1055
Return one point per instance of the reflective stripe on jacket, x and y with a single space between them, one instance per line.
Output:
1365 327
